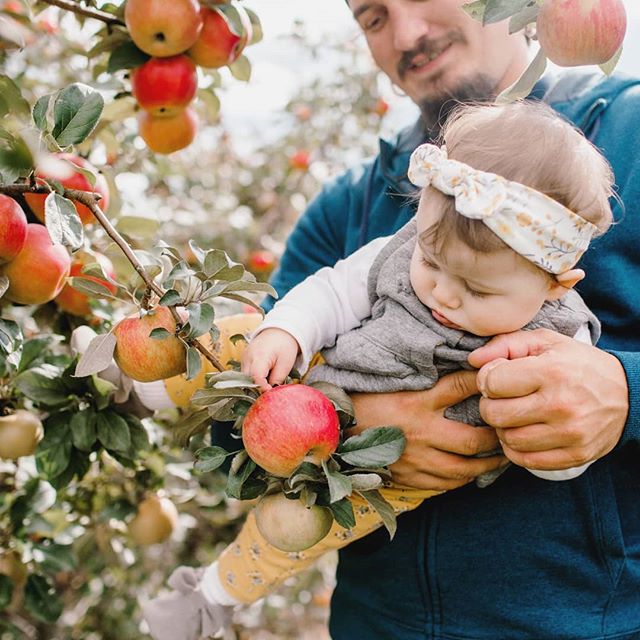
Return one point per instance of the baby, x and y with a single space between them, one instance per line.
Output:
506 209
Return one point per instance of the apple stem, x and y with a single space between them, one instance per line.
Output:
90 200
68 5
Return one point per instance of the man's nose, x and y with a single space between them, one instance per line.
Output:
408 27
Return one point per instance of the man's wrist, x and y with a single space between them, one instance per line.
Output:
630 362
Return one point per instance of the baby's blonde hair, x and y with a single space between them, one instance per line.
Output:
525 142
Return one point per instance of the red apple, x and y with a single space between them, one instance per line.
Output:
161 28
300 160
75 181
289 525
37 274
220 42
576 32
13 228
165 86
288 425
75 302
170 133
147 359
261 262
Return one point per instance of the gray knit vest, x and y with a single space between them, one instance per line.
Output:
401 347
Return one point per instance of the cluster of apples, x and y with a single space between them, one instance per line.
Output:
37 268
180 36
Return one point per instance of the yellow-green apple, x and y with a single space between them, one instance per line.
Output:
577 32
221 41
154 521
300 160
20 433
289 525
13 228
289 425
144 358
37 274
170 133
161 28
74 180
165 86
75 302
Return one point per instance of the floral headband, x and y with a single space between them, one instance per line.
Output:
534 225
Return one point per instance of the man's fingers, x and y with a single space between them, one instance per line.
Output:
463 439
511 346
454 388
511 378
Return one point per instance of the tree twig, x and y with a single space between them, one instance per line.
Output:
90 200
69 5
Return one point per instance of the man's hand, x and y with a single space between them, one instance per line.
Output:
436 456
555 402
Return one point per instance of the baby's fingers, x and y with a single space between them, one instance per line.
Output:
281 369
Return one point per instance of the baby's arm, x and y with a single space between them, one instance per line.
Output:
310 317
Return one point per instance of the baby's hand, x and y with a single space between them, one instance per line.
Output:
269 357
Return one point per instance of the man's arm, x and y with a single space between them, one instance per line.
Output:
555 402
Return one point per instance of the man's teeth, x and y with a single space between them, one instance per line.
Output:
427 58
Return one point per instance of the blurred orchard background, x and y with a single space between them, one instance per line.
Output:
312 106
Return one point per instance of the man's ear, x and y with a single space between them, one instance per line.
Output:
564 282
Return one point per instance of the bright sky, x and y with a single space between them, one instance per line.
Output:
277 73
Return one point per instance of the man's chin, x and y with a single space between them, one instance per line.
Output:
442 100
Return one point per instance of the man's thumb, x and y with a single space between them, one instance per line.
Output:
455 387
510 346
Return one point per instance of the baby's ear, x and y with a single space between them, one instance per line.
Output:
564 282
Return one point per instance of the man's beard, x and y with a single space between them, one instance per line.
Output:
436 109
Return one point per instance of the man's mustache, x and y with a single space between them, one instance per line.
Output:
426 47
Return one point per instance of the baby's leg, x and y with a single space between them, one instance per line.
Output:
250 567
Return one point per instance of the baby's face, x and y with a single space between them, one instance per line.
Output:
482 293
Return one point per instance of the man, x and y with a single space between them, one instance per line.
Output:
524 558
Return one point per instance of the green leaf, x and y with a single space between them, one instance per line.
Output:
90 287
57 557
98 356
171 298
497 10
113 431
139 436
241 469
33 351
12 100
16 159
194 363
522 87
210 458
4 285
6 590
42 117
521 19
54 451
211 102
63 222
83 429
256 27
475 9
373 448
138 226
343 513
41 600
201 317
241 69
126 56
365 481
384 509
119 509
76 112
160 333
43 385
609 66
339 484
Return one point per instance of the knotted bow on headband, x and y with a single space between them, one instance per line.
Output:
534 225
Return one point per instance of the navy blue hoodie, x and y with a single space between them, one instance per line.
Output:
525 558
